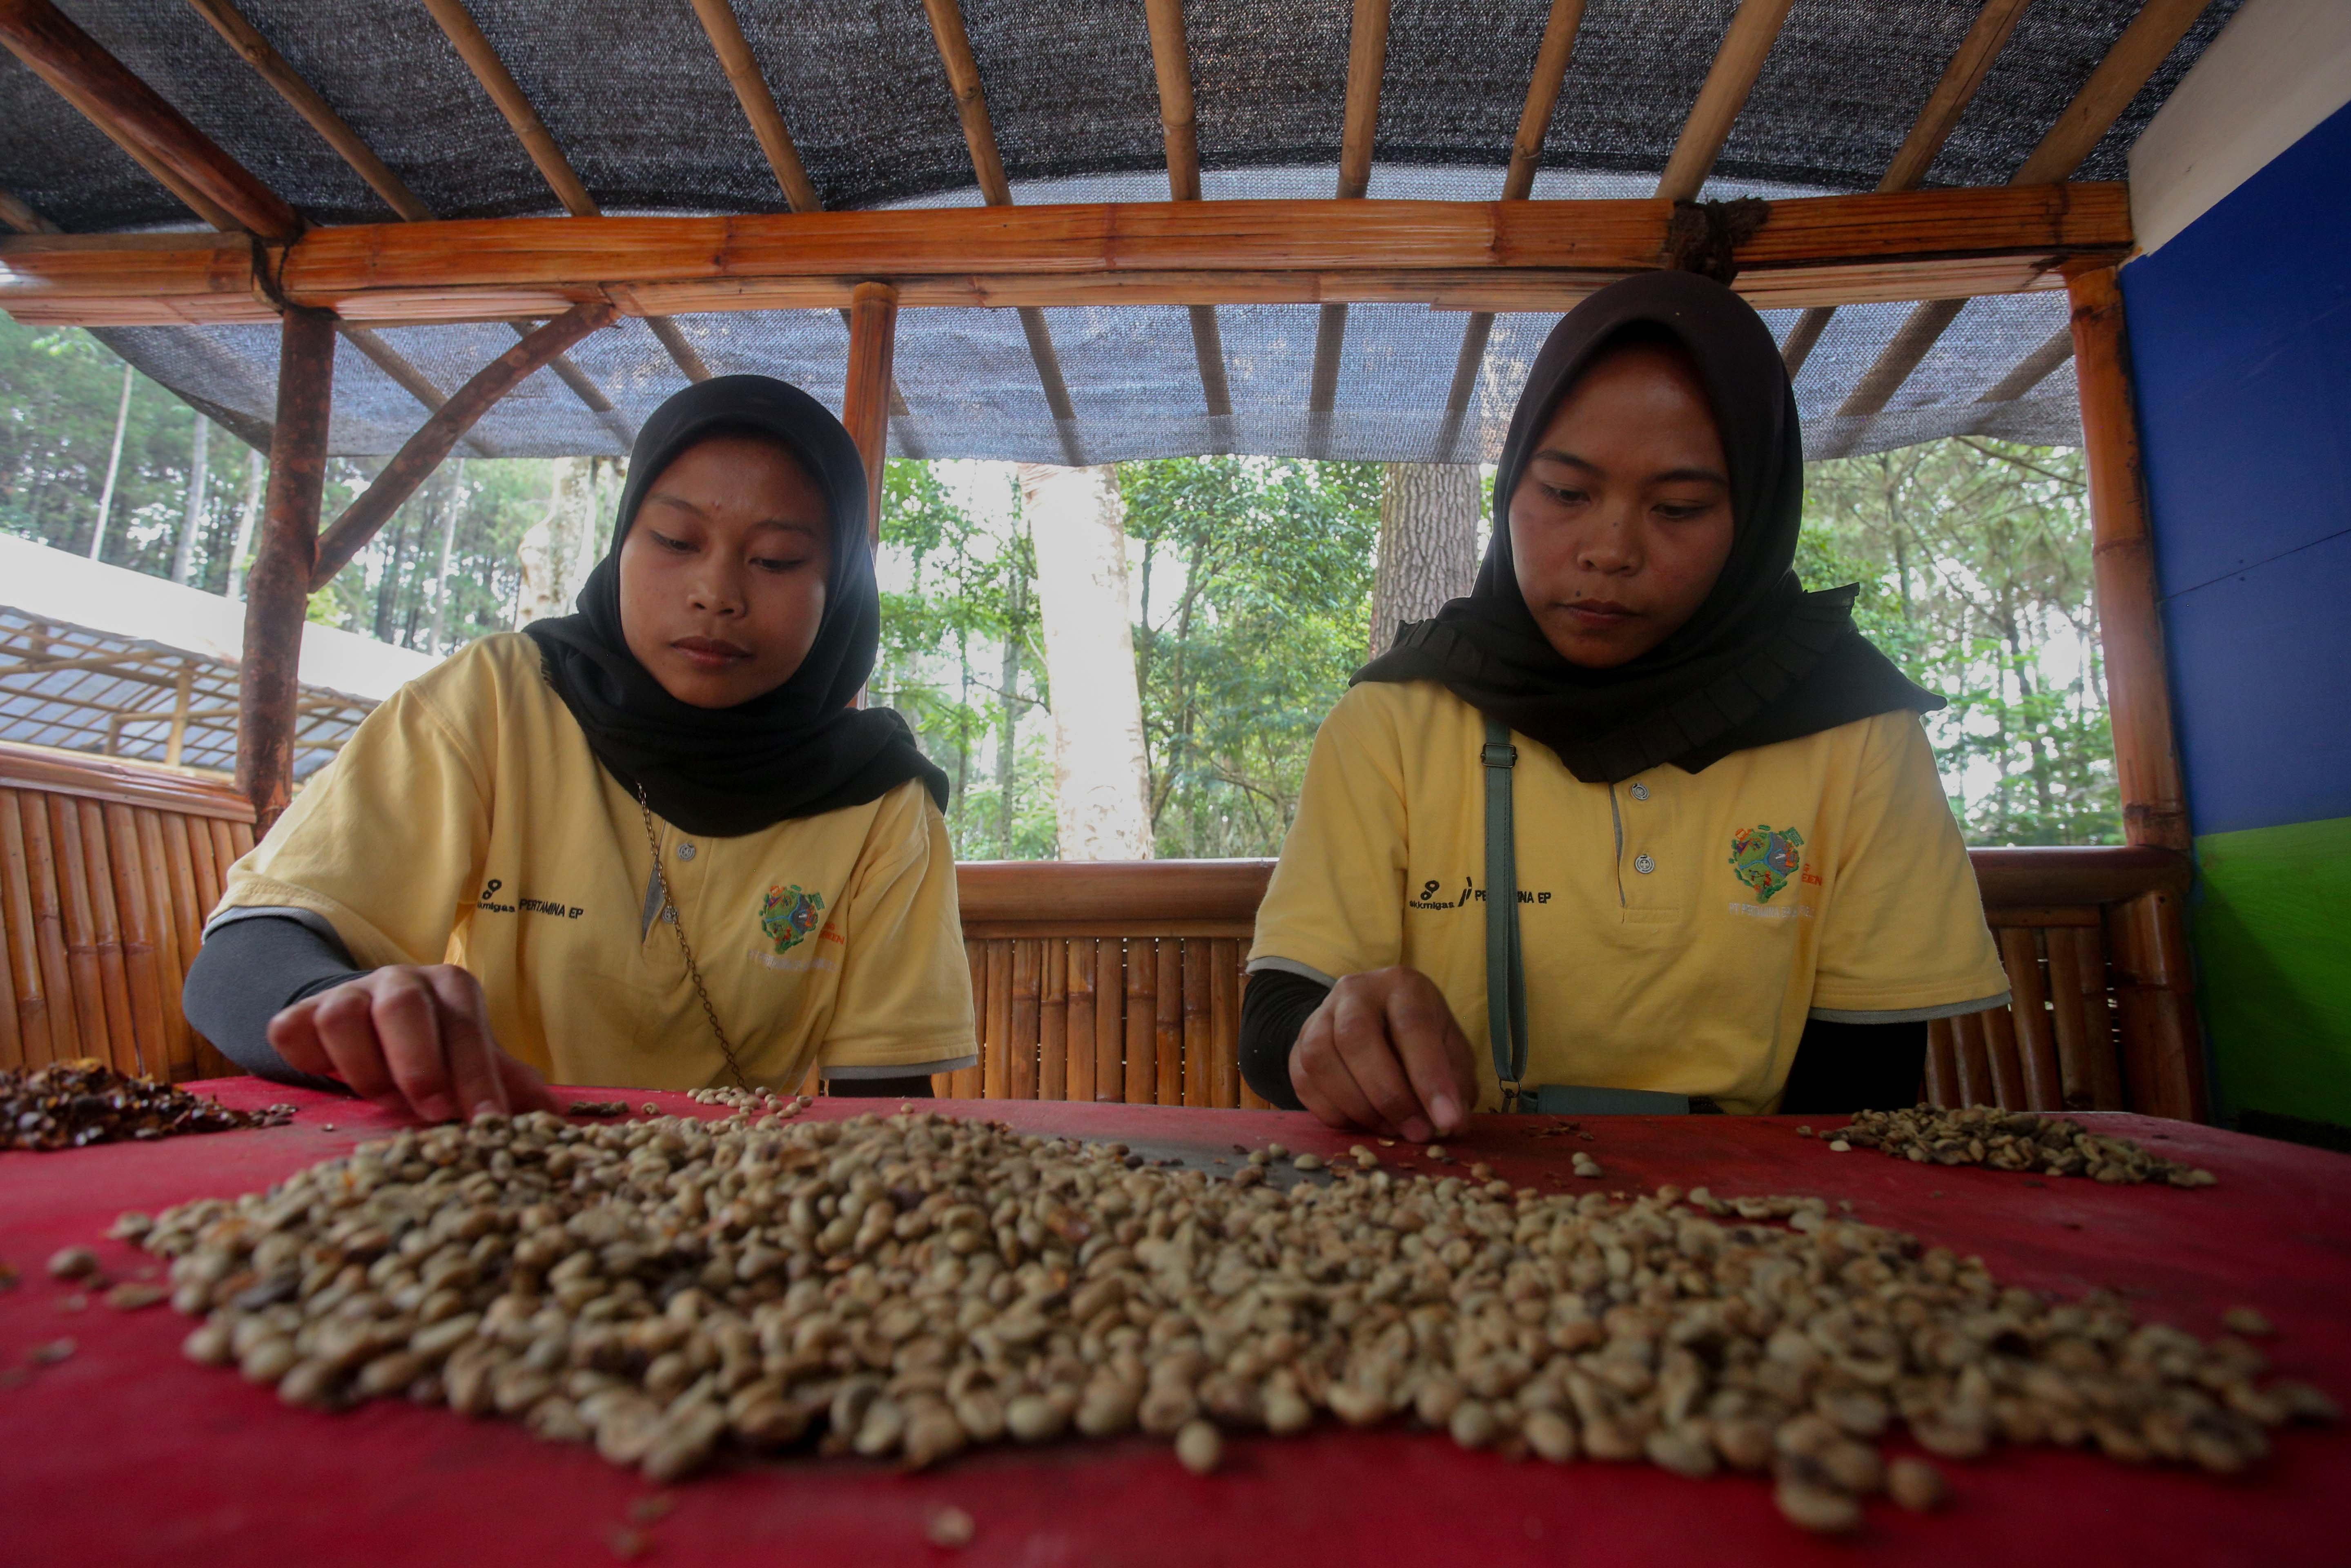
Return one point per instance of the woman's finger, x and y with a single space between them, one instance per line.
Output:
1323 1083
294 1036
1370 1054
344 1019
475 1086
1435 1053
525 1089
408 1022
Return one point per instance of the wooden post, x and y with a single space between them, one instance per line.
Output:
865 404
2155 986
278 592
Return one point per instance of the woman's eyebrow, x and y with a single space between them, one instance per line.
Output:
665 498
1703 476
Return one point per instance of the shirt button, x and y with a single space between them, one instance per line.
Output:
1644 864
1640 791
685 852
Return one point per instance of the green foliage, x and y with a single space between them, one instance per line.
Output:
1241 656
1974 557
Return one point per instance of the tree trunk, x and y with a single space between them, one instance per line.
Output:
1429 517
184 559
452 503
113 466
1008 737
560 550
1100 778
246 517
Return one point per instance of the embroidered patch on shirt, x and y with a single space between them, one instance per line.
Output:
788 916
1765 858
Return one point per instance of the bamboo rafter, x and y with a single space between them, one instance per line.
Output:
1738 61
2152 35
1965 72
988 168
219 189
1551 56
1171 61
1367 58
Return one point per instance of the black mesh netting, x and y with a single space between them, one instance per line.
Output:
634 97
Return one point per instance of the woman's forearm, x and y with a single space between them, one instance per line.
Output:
247 973
1274 1007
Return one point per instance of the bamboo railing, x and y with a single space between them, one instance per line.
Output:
109 872
1116 982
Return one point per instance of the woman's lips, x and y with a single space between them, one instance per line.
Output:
1599 614
707 654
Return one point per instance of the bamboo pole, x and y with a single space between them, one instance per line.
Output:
1167 1035
1141 1072
481 58
1110 1020
1368 54
2033 368
865 402
1081 1021
1171 62
221 190
758 102
988 170
30 990
1551 57
1054 1023
2163 1045
1963 75
278 592
175 744
1754 29
273 69
16 214
404 371
2079 126
424 450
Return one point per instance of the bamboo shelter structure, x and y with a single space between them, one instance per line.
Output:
1155 227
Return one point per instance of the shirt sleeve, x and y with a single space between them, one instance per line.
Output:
385 843
1905 936
905 1003
1335 905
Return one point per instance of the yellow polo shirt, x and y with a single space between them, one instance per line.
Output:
467 822
1678 928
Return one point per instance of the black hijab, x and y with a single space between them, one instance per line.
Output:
1761 660
795 752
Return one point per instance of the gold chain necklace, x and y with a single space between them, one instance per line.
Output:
677 924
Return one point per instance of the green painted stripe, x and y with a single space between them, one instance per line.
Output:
2273 934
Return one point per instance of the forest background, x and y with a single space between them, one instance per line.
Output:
1251 583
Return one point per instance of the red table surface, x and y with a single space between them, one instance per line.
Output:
126 1453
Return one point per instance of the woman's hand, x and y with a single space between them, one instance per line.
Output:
1382 1053
415 1039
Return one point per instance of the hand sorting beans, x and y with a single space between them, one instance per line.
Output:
76 1104
903 1287
2010 1140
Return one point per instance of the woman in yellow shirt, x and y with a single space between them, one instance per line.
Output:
650 844
1707 801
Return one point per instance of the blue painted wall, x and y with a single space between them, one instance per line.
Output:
2241 345
2241 342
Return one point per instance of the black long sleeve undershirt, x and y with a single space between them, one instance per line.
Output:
1840 1068
250 970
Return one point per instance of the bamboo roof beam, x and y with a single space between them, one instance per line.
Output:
402 370
23 218
1171 62
1738 61
758 99
1964 73
221 191
1464 256
2152 35
1367 59
481 58
2032 369
257 52
988 169
1551 56
423 451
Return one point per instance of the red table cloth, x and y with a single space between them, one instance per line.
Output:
126 1453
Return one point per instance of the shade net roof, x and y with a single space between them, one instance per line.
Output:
634 97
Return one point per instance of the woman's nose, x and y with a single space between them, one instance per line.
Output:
1611 546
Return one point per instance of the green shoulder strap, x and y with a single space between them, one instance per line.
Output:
1506 971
